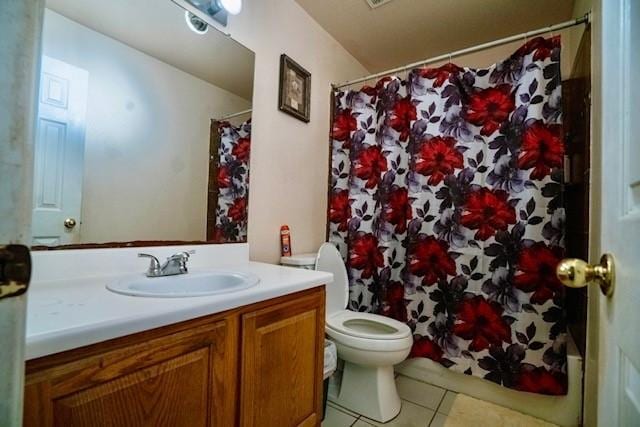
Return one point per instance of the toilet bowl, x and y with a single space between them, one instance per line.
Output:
369 344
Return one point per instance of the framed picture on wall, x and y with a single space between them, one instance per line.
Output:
295 89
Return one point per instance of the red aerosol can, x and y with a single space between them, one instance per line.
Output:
285 240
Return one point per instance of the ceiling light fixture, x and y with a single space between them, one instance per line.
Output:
217 10
195 24
234 7
377 3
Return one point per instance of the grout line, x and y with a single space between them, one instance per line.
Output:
432 417
343 409
441 400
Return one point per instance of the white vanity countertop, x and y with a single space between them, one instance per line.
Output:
71 313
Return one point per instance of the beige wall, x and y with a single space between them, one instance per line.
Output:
147 138
289 158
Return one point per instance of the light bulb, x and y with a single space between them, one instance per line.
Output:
232 6
196 24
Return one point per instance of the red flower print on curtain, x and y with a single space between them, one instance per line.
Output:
445 202
487 211
402 114
429 258
438 158
481 322
398 211
490 107
542 149
233 183
369 166
365 255
340 209
537 272
343 124
439 75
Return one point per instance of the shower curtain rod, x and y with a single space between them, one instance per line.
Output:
239 113
582 20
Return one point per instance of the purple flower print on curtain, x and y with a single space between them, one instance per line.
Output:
445 201
232 182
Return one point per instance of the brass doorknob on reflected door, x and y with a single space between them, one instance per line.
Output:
576 273
69 223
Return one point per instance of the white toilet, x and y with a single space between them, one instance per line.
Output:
368 343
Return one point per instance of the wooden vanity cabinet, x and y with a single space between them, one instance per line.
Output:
259 365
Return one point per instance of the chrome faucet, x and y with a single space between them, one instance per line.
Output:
175 264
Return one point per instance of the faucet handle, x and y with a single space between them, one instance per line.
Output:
154 266
182 255
179 261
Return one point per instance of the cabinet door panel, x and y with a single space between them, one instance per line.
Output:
172 393
282 350
176 376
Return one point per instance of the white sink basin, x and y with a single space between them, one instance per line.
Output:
184 285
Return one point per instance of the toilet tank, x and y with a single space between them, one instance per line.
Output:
306 261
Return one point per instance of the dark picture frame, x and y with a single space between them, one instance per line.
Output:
294 95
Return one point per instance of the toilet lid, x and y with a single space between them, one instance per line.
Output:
367 325
330 261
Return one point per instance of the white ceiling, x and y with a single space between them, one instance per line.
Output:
405 31
158 28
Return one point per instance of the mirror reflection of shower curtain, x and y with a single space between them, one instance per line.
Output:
228 194
445 201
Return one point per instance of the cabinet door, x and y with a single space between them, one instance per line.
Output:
171 393
174 380
282 361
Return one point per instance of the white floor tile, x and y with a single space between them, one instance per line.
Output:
438 420
361 423
343 409
423 394
410 415
336 418
447 401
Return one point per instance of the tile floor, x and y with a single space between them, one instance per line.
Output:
423 405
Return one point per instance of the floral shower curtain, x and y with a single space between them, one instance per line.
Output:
232 163
445 201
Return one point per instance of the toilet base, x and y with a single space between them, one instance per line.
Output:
370 391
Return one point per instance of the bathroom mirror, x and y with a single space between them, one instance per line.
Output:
143 127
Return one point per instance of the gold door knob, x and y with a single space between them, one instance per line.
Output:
576 273
69 223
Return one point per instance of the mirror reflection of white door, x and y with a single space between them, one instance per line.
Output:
617 144
59 153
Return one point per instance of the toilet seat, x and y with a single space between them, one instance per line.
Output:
367 325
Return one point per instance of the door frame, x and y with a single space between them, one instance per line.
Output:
591 362
21 29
